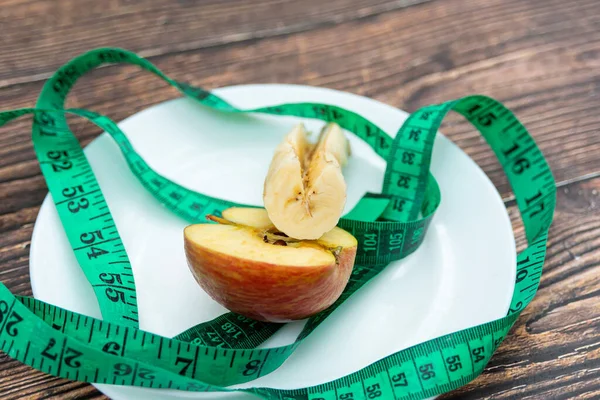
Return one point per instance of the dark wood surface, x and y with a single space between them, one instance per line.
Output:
540 57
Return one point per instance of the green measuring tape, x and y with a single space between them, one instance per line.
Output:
222 352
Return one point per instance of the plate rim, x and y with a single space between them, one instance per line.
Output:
47 202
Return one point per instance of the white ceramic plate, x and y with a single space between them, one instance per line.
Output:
461 276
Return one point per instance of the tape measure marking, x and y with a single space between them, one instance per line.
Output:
79 347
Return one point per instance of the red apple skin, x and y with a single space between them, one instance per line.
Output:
268 292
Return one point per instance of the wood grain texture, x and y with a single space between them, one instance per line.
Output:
540 57
46 28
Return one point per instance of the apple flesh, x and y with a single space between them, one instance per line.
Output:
248 267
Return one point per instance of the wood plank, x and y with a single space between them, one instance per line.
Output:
47 28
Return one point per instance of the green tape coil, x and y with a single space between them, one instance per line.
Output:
222 352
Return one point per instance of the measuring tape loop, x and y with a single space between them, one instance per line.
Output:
222 352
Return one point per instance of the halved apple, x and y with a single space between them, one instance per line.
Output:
250 268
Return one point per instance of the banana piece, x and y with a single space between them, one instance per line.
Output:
305 191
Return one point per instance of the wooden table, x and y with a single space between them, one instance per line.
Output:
540 57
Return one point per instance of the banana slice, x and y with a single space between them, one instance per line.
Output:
305 191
